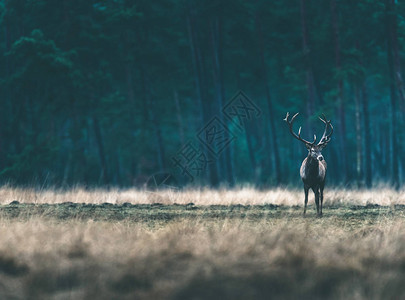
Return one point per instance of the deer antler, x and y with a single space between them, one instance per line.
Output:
290 124
325 137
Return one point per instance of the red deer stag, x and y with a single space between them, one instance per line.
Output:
313 168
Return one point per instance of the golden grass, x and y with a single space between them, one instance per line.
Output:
353 252
244 196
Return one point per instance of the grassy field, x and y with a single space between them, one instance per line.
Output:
200 244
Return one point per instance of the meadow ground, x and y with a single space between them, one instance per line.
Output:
200 244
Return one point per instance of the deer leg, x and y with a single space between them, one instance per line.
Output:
306 199
321 196
316 191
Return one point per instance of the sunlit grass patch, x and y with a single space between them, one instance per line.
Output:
240 195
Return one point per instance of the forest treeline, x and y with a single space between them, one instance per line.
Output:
115 91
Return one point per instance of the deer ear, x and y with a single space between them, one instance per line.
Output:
308 146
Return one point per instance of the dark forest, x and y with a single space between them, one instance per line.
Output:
114 92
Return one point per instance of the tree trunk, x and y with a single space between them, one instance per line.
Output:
201 86
104 176
359 141
306 50
179 116
216 43
367 138
252 158
339 99
130 85
191 36
149 103
391 37
275 151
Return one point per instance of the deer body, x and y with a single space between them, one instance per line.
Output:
313 174
313 171
313 168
